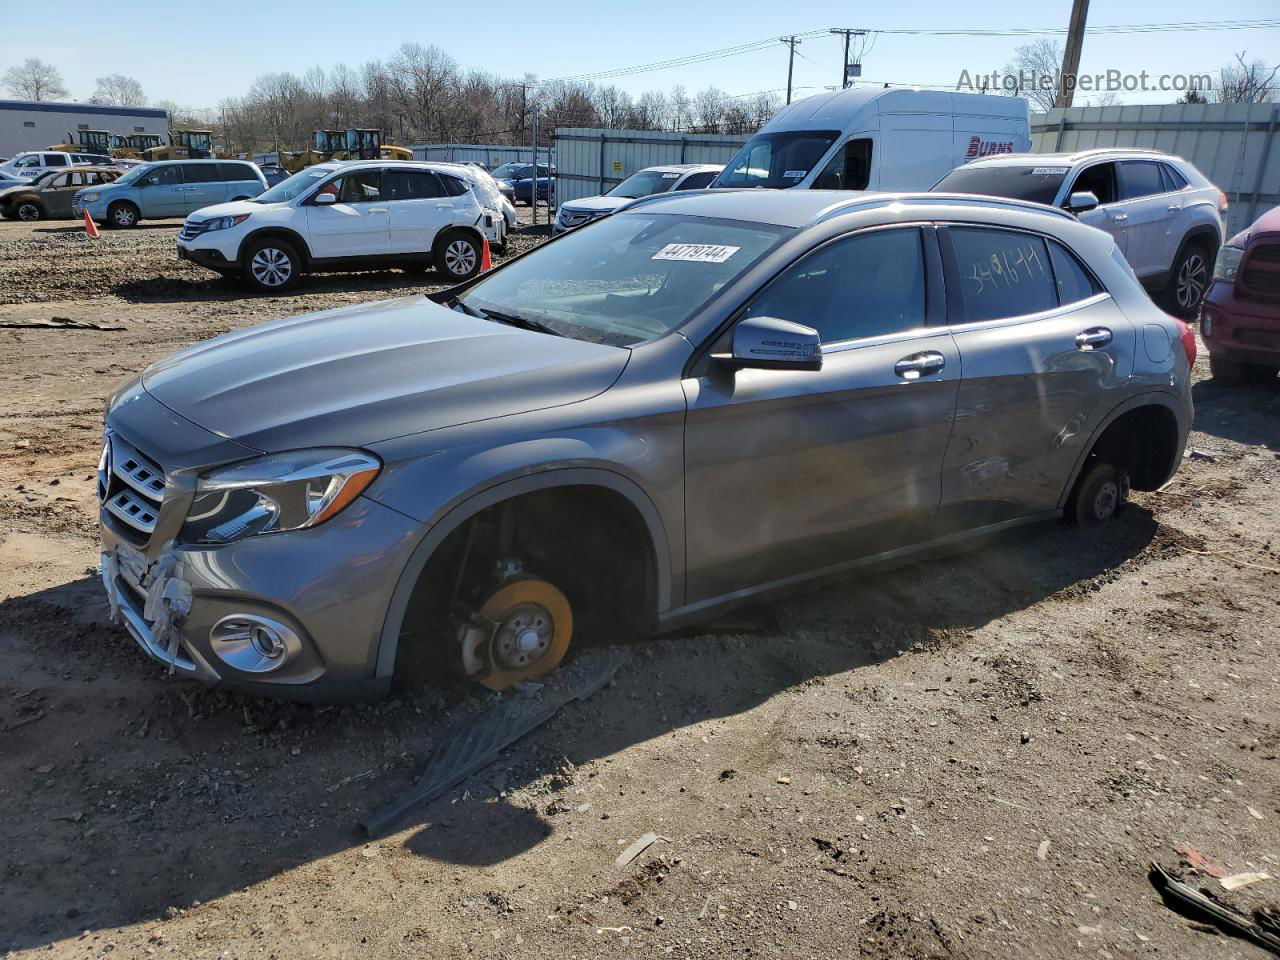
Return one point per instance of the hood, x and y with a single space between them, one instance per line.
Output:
357 375
1269 222
233 209
6 188
596 204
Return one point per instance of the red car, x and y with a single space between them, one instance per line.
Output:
1240 319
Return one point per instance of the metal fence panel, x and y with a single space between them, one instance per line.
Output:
1233 144
491 155
590 160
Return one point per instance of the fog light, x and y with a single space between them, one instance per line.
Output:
253 643
1206 324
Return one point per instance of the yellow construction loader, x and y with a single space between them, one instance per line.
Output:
183 145
135 145
90 141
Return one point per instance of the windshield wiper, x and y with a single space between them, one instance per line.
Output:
468 310
525 323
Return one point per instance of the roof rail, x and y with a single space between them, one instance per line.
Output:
887 199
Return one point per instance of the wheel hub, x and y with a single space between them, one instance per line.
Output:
1107 499
531 623
523 636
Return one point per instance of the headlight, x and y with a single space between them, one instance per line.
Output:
1228 261
275 493
225 223
90 197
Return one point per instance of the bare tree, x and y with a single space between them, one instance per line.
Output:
1033 71
34 79
1252 82
119 91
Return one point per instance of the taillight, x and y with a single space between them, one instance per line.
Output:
1222 203
1188 338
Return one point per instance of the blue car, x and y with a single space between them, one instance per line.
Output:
515 180
169 188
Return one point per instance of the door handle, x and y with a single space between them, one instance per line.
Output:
1175 208
1118 217
377 209
919 365
1093 338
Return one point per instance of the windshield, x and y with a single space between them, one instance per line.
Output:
644 184
299 183
1038 184
776 159
134 173
508 171
626 279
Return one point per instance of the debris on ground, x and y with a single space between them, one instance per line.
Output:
637 848
1263 929
57 323
1238 880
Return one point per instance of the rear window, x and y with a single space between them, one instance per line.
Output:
238 171
1038 184
201 173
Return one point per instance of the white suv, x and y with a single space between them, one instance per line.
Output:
347 216
1165 215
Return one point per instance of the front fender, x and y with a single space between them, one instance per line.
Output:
462 508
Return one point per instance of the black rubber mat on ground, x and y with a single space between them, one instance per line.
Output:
477 741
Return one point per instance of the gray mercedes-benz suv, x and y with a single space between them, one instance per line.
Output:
695 401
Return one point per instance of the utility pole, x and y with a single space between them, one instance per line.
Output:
791 42
844 63
533 195
1071 57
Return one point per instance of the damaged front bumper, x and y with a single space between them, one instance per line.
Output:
319 596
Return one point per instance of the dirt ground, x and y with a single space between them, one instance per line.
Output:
974 756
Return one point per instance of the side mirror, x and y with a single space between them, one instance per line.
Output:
1082 202
324 199
768 343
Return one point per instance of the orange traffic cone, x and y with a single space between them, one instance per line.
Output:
486 259
90 227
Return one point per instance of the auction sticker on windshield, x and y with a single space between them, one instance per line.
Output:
1048 171
696 252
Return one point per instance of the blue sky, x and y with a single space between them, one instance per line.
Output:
197 53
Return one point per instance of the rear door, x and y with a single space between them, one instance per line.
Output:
1046 354
791 471
1153 214
204 186
357 225
418 209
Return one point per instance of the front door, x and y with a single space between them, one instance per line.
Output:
1100 179
57 195
163 192
418 208
791 472
1047 354
357 224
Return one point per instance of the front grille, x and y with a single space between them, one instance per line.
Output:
130 486
572 218
1261 273
192 229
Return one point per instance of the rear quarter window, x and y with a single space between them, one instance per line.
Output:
1001 273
